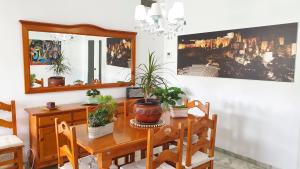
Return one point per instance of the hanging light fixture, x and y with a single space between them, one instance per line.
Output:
158 21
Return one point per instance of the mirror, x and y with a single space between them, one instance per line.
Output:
60 57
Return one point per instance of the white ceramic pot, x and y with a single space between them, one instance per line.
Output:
95 132
179 112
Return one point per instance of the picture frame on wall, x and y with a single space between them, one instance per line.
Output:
134 92
260 53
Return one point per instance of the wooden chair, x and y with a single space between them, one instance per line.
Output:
40 82
198 104
11 143
204 108
194 156
164 135
70 149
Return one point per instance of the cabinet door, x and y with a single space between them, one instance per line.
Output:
47 144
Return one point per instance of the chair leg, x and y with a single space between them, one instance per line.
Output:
132 157
143 154
211 165
20 158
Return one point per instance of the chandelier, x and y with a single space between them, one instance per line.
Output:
158 21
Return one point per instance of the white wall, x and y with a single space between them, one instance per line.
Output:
112 14
257 119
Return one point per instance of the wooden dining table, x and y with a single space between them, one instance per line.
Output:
125 139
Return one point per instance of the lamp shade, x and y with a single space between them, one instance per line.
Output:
155 10
140 13
178 7
171 16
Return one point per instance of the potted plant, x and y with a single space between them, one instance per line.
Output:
59 68
168 99
78 82
92 93
148 110
32 79
101 121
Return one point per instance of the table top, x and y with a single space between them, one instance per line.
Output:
123 134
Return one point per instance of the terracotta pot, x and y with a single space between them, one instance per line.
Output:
56 81
147 112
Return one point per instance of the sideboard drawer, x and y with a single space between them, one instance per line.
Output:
49 120
79 116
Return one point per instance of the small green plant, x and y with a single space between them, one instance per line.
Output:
58 66
93 92
168 96
32 79
104 114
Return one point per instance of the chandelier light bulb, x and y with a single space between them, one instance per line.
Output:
155 10
158 20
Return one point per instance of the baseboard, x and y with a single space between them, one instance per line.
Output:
260 164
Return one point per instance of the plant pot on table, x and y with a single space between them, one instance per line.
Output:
148 111
177 112
96 132
56 81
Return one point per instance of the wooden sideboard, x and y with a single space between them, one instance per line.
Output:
42 131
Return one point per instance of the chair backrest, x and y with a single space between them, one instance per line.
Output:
164 135
199 126
12 109
40 82
203 107
70 150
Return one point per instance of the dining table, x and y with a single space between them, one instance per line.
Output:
124 139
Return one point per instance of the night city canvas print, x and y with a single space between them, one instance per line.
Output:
260 53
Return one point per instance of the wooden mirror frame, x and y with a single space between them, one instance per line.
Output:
81 29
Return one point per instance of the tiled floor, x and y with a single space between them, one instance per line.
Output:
224 161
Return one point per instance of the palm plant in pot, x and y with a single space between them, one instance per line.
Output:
59 68
101 121
148 110
169 96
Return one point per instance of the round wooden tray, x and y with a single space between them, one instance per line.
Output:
135 123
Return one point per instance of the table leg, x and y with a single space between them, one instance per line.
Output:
104 161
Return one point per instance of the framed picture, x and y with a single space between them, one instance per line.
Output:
119 52
134 92
43 52
259 53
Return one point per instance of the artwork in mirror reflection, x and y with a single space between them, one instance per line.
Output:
43 52
77 59
119 52
260 53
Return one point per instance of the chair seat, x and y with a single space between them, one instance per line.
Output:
87 162
141 164
195 139
10 141
198 158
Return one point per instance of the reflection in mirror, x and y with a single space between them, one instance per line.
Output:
58 59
